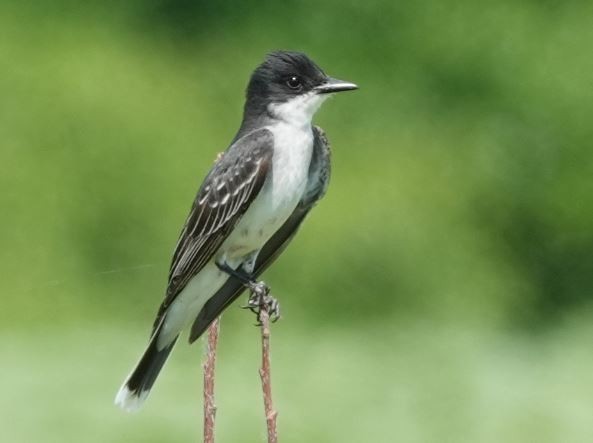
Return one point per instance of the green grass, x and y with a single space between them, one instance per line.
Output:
402 383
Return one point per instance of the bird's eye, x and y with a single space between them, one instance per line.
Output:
293 82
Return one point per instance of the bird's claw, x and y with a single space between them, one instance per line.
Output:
260 299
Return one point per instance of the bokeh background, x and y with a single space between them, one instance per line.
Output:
440 293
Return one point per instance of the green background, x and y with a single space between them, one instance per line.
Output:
440 293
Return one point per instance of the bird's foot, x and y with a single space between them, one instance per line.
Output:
260 299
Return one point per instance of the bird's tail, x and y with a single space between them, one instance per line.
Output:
137 386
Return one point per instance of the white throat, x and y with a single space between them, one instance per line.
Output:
299 110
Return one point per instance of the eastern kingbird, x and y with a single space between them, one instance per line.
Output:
248 208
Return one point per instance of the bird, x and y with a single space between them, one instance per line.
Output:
246 211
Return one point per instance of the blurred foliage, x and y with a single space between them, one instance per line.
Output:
461 195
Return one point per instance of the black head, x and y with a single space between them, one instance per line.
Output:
285 75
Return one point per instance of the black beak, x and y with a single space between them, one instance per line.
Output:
334 85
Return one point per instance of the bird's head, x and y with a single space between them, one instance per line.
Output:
291 87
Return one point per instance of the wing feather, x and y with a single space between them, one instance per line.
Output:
230 187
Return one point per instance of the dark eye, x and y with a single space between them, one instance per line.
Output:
293 82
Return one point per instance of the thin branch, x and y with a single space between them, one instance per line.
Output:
209 366
264 373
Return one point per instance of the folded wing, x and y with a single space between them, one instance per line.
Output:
319 174
230 187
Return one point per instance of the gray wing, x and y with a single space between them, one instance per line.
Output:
226 193
319 175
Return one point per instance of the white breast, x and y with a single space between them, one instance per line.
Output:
280 194
293 147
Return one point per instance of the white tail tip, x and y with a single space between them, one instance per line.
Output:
130 401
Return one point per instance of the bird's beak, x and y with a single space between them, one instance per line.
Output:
334 85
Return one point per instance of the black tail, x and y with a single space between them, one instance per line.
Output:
137 386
